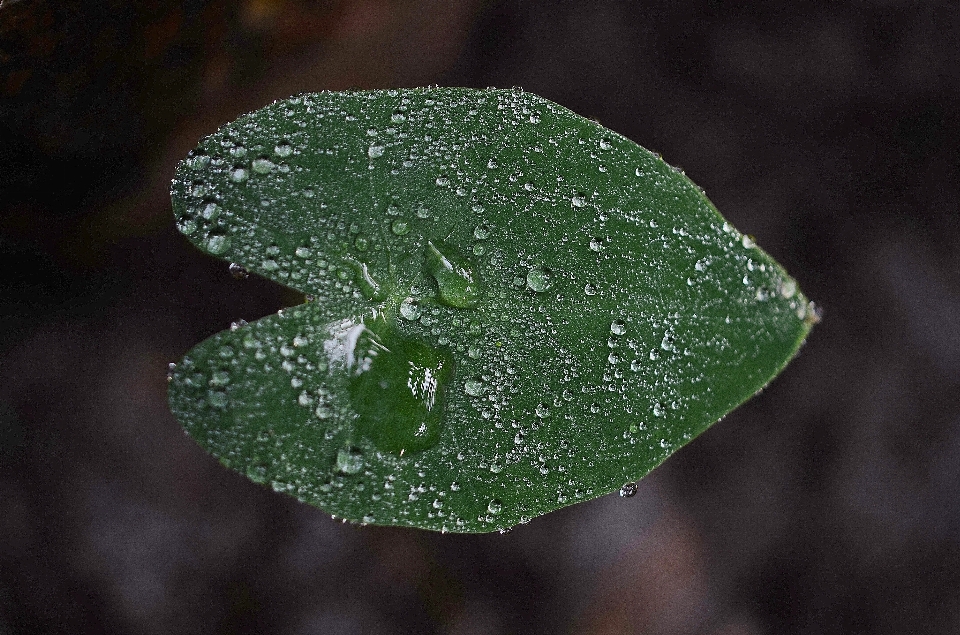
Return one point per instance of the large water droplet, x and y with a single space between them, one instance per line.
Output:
457 282
398 393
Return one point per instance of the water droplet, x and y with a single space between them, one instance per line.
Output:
443 181
410 309
349 461
492 164
747 241
263 165
617 327
303 252
239 174
628 490
397 392
238 272
788 288
669 342
596 244
542 411
539 279
578 200
375 151
481 232
473 387
590 289
400 227
217 243
473 352
361 243
457 282
659 410
605 144
283 149
217 399
636 365
494 507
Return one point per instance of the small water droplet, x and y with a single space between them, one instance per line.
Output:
375 152
492 164
481 231
628 490
542 411
361 243
636 365
539 279
618 327
263 165
659 410
283 149
217 243
596 244
410 309
400 227
747 241
239 174
590 289
473 387
605 144
578 200
494 507
238 272
443 181
349 461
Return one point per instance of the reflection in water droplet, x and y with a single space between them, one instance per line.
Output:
456 279
539 279
396 390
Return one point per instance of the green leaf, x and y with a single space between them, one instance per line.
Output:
514 309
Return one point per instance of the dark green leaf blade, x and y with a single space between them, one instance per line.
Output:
515 308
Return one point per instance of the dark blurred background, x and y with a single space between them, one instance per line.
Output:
828 504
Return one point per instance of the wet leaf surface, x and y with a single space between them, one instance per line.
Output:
514 309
